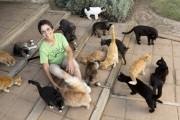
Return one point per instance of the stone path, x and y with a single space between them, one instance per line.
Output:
111 103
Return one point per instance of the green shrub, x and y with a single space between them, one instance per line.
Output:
117 10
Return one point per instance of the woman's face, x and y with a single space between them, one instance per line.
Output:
47 31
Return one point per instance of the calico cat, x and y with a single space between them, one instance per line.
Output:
76 94
105 26
145 91
91 72
92 11
94 56
22 49
7 81
141 30
121 47
138 66
6 58
112 55
158 78
50 95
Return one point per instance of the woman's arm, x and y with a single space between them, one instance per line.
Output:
46 69
70 66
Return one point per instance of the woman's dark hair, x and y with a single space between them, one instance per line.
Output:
44 22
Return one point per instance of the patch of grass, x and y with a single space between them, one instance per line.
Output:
166 8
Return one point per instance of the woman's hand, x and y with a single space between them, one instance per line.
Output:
56 86
70 68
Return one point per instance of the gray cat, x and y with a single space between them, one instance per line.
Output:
22 49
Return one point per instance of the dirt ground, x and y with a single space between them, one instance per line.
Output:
142 14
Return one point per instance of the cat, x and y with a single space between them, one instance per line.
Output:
7 81
6 58
138 66
22 49
92 11
91 72
105 26
158 78
112 55
50 95
76 94
141 30
121 47
68 30
94 56
144 90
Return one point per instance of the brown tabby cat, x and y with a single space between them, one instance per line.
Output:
6 58
138 66
112 55
6 81
94 56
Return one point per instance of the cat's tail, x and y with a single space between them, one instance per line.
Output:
128 32
35 83
82 13
32 58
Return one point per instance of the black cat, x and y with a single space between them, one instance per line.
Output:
121 47
50 95
145 91
158 78
105 26
69 29
141 30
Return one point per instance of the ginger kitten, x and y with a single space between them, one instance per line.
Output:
7 81
6 58
112 55
138 66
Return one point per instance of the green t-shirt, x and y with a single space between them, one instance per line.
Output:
55 53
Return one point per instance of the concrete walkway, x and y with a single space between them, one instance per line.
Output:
110 103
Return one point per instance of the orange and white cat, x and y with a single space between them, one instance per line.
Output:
94 56
7 81
76 94
138 66
112 55
6 58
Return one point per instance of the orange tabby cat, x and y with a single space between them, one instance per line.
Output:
6 58
6 81
112 55
138 66
77 95
94 56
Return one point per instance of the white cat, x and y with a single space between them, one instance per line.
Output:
92 11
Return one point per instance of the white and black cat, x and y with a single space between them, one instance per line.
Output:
92 11
158 78
104 26
22 49
142 30
50 95
121 47
145 91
